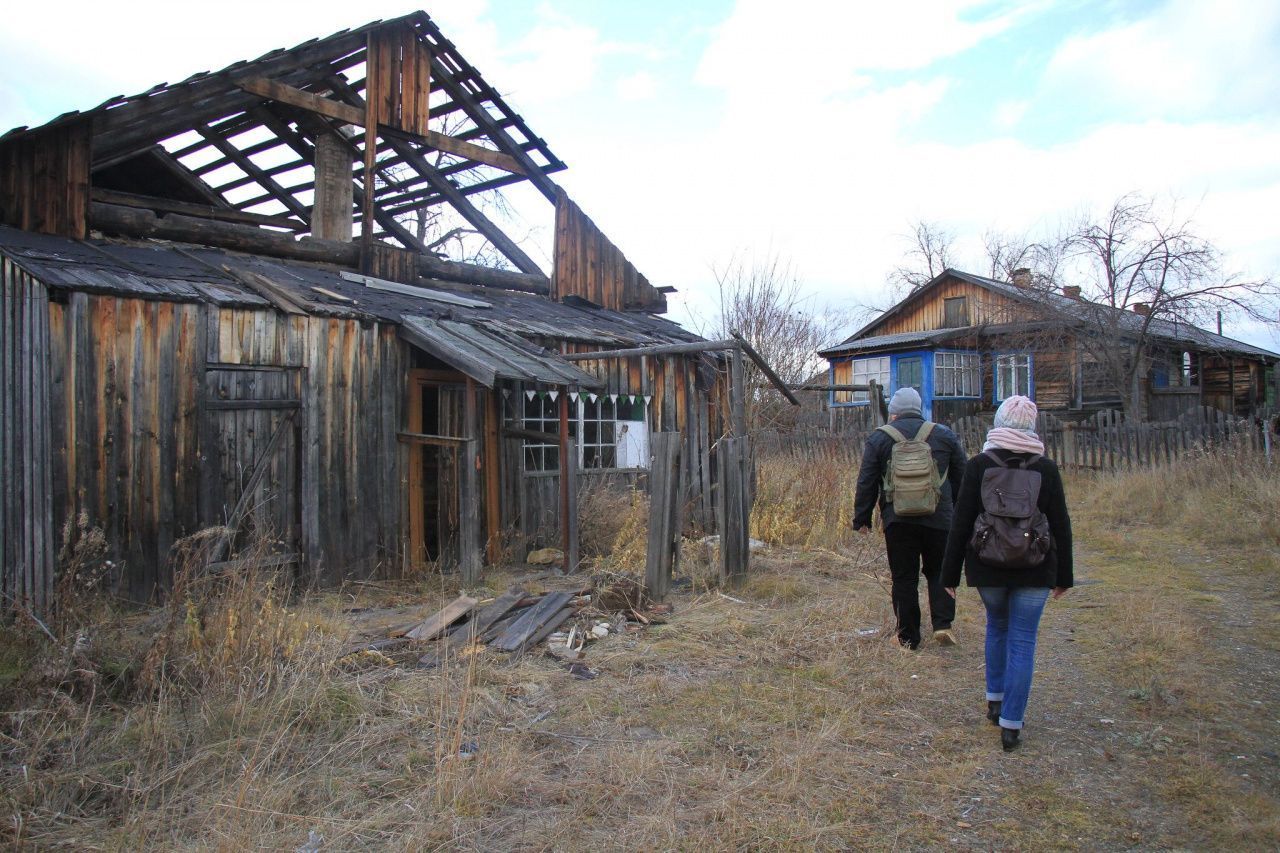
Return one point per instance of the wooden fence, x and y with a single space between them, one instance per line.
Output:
1103 441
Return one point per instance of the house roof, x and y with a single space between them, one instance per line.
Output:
215 139
1123 321
181 273
487 355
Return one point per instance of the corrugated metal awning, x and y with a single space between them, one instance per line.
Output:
487 355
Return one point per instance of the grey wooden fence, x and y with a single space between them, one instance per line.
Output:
1102 441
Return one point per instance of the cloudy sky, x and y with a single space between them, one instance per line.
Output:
818 131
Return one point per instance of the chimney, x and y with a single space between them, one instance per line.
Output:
1021 277
1141 308
1071 291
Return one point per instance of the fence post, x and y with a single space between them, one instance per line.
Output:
735 498
662 554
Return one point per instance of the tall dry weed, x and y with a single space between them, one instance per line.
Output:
805 501
1226 497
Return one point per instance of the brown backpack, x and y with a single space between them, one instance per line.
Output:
1011 532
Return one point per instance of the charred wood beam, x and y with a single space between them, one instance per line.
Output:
136 222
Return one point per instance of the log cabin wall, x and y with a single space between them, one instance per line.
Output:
27 540
160 411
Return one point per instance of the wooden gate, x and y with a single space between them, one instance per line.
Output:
251 478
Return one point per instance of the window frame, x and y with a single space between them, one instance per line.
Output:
884 377
965 355
963 320
995 379
578 423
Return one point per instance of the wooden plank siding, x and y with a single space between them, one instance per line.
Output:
927 312
44 181
28 542
588 265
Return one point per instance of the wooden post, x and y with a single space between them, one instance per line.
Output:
331 218
469 559
734 458
568 489
665 521
737 393
1068 444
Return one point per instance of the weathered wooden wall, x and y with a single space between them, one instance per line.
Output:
124 417
27 539
926 312
160 410
44 181
589 266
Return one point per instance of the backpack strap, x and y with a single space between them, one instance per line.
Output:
893 433
925 429
1024 465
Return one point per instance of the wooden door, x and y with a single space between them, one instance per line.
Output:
253 456
436 435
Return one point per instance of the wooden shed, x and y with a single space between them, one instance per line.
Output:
215 310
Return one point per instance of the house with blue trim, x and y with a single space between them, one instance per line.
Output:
966 342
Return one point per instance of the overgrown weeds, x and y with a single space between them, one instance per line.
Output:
806 501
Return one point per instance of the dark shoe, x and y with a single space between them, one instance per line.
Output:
1009 739
993 712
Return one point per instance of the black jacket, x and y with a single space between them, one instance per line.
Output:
948 455
1056 570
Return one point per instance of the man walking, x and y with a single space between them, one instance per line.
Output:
914 467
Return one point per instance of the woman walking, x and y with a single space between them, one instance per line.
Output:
1012 534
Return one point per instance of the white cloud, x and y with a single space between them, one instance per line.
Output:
1183 58
1009 114
640 86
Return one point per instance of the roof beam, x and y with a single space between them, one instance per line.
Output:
253 170
455 197
344 112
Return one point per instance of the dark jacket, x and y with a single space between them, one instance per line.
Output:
948 455
1056 570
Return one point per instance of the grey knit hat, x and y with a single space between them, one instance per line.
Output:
905 401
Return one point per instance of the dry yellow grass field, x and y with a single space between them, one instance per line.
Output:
778 716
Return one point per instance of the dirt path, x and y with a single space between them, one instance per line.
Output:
1109 762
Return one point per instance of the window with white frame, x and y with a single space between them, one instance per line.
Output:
865 369
542 414
1013 375
957 374
613 428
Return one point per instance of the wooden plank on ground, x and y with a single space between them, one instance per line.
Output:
533 619
548 628
436 624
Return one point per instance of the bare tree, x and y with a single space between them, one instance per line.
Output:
762 299
1142 269
1008 253
932 247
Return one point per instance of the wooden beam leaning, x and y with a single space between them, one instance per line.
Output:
470 559
765 368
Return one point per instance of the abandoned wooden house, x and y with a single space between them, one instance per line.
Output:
966 342
216 309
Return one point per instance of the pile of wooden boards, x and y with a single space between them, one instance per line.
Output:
514 622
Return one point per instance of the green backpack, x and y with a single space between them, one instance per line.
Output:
912 482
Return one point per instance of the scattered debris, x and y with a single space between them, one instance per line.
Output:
437 624
581 671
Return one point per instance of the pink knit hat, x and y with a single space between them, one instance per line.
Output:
1017 412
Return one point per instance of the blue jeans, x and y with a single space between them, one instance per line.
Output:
1013 620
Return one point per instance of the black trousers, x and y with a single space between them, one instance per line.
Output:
913 549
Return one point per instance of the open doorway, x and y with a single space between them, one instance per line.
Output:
435 424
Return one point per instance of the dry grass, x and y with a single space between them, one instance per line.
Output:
778 715
806 502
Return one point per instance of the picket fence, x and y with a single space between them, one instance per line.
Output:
1104 441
